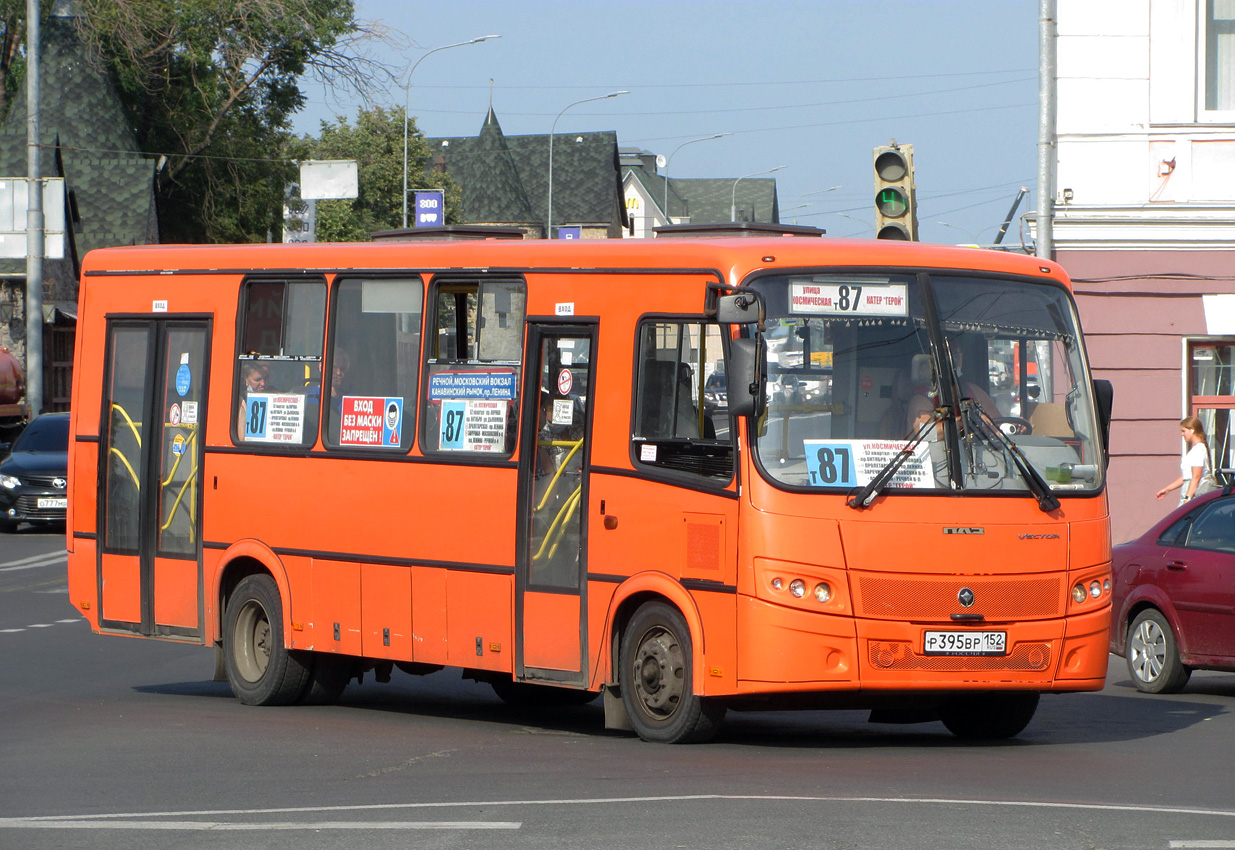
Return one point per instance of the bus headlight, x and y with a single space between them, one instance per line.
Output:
822 592
1078 594
778 583
1095 589
798 588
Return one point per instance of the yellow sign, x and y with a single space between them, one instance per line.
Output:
821 358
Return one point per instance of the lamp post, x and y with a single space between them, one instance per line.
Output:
552 130
668 220
733 203
407 98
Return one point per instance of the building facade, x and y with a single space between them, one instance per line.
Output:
1144 222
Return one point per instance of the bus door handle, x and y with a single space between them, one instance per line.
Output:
1178 566
610 519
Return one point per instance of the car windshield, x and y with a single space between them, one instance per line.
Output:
45 435
855 370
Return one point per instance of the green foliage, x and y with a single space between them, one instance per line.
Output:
212 85
375 141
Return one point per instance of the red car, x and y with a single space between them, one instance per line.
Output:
1174 595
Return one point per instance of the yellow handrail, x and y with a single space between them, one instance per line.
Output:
575 446
563 516
132 427
127 466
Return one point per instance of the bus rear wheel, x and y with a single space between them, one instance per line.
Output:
260 669
656 677
989 716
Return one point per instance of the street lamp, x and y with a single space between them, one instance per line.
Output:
407 99
668 220
733 204
552 130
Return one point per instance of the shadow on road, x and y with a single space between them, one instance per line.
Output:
1118 713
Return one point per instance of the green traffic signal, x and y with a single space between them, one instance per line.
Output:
891 202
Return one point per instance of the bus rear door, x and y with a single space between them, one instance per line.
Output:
154 409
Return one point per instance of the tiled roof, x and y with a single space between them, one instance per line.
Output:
506 178
112 182
705 200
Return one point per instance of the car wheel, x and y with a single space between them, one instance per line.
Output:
656 678
1152 655
260 669
989 717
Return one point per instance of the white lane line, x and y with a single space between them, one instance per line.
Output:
66 820
40 625
219 826
34 562
1199 843
10 631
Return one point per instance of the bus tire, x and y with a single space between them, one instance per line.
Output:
328 677
656 679
260 668
989 716
1153 655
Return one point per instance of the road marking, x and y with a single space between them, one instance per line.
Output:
144 820
35 562
1198 843
221 826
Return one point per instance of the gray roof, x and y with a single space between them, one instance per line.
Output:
506 178
705 200
87 139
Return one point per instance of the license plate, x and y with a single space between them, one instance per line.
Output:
966 643
45 504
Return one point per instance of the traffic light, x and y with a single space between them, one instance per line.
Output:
896 212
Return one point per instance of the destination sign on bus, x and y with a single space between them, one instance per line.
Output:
848 299
855 463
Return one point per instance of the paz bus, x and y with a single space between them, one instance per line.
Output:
690 474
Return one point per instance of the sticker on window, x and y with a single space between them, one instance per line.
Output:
273 418
473 426
855 463
469 385
371 421
849 299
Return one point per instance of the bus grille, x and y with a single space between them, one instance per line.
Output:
897 655
935 598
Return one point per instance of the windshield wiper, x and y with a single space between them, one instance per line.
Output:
867 494
973 413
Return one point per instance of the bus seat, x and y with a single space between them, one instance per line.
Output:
658 417
1049 419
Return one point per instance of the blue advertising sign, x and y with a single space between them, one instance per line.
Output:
571 232
430 209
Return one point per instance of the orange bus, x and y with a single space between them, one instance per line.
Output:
688 474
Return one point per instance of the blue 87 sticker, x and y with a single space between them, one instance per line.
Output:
830 463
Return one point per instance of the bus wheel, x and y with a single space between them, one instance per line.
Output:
260 668
328 677
989 716
1153 657
656 679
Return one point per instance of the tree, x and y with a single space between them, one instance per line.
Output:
211 86
376 143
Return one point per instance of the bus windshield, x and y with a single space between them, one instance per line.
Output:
979 382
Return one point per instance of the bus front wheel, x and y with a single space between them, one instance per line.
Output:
989 716
260 669
656 678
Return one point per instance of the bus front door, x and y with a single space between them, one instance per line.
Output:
154 413
551 565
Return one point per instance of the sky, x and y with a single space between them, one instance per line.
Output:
812 86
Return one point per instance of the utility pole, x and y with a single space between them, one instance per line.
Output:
1047 40
34 219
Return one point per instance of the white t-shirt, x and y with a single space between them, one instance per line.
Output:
1196 456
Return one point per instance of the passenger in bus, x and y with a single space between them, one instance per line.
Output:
255 379
339 365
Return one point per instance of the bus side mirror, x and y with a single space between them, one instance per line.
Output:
739 309
746 376
1104 400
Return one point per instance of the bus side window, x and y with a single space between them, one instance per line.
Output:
278 365
681 408
474 362
374 363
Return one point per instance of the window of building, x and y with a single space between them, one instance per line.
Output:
474 362
374 363
278 368
1218 63
681 404
1211 390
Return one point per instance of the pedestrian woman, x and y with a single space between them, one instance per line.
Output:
1194 471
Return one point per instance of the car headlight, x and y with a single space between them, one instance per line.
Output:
9 481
